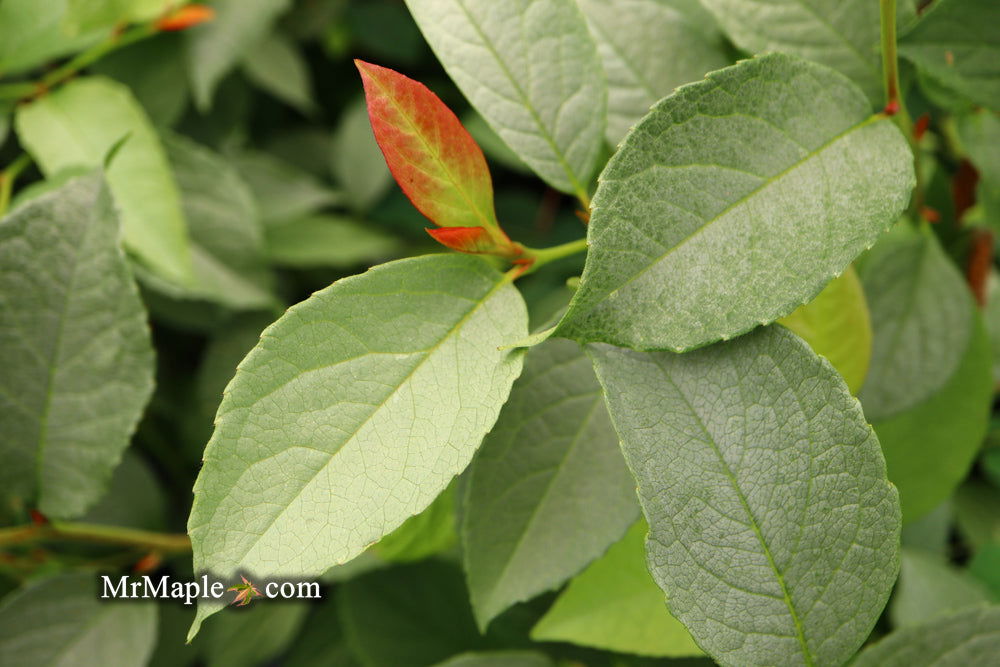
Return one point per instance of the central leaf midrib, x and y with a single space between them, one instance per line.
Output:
779 577
745 198
500 283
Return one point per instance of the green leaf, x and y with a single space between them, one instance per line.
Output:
252 636
134 498
321 642
970 637
329 240
531 69
155 71
276 66
422 535
62 623
356 162
928 390
227 237
548 491
977 512
929 587
84 15
615 605
493 146
32 32
353 413
650 47
214 48
773 529
74 346
842 34
226 348
4 126
408 616
499 659
985 566
837 326
991 318
956 42
284 193
931 533
919 305
76 126
733 202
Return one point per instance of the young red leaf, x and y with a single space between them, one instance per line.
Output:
434 159
185 17
474 240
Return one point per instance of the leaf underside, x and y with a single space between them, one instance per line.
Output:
352 414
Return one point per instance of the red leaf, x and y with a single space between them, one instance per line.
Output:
465 239
185 17
434 159
977 269
963 188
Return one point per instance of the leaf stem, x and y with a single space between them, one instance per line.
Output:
119 38
7 178
96 533
542 256
895 106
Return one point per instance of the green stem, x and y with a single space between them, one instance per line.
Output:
542 256
95 533
895 106
117 40
7 178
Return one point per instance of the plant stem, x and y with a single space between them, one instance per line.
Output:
89 532
541 256
115 41
7 178
895 106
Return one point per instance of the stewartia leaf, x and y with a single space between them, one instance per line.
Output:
773 529
733 202
74 348
434 159
531 69
76 126
837 326
472 240
615 605
548 491
842 34
353 413
957 43
60 621
961 639
929 388
649 47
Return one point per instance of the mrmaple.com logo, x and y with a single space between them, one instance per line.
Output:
166 588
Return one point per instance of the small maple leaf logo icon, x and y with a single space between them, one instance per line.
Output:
245 593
